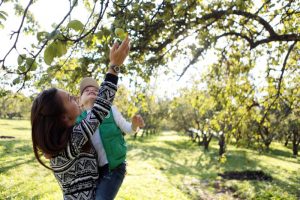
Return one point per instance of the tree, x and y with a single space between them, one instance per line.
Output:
181 113
238 33
289 127
158 31
14 105
143 102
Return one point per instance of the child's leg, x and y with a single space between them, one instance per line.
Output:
110 182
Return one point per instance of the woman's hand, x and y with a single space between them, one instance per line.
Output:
118 53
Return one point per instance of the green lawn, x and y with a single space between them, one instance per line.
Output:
168 166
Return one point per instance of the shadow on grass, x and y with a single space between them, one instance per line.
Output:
5 124
22 129
16 164
238 160
169 160
183 144
277 153
277 188
15 149
281 155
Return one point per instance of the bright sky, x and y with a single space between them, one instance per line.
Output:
48 12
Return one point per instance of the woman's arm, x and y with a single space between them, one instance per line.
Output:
83 131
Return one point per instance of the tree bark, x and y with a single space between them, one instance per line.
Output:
296 141
222 144
206 141
287 140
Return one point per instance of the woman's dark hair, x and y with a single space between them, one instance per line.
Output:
50 134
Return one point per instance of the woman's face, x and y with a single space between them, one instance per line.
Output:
72 110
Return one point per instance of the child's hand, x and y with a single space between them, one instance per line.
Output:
137 122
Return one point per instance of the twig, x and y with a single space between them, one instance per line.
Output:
17 37
279 84
284 66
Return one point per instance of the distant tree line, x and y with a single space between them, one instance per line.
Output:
14 105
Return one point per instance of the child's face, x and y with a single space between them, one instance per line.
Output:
71 106
88 96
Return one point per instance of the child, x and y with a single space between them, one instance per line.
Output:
108 141
53 117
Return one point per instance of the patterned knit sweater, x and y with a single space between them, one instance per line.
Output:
76 170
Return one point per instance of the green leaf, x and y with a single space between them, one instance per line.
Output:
53 34
75 25
99 34
22 68
3 12
21 58
42 35
49 54
60 36
16 81
61 48
30 63
2 16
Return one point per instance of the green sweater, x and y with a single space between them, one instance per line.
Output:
113 141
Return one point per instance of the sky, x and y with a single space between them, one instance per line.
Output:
43 10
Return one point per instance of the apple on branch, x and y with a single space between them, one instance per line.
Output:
120 33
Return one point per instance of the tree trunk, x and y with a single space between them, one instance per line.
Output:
191 135
296 141
237 138
268 139
287 140
222 144
144 132
197 137
295 149
267 145
134 136
205 143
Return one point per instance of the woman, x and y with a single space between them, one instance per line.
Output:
55 132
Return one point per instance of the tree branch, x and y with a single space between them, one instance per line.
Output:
221 13
92 30
278 38
284 66
193 61
273 36
279 84
17 37
232 33
45 43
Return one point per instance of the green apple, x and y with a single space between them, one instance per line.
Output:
120 33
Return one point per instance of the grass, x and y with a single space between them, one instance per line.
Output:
168 166
21 177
